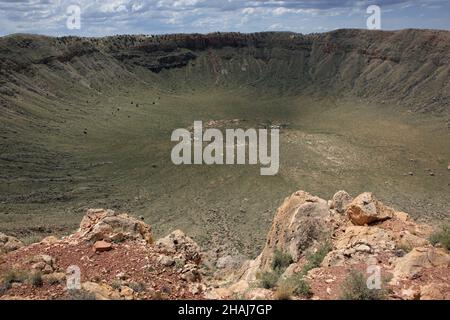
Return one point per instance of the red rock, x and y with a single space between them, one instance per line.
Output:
101 246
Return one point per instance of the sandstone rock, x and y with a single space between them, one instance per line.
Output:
101 246
99 224
435 291
126 293
179 242
357 243
299 224
341 200
56 277
166 260
258 294
239 288
405 239
411 294
229 262
100 291
366 209
49 240
44 263
8 243
419 258
249 269
402 216
190 273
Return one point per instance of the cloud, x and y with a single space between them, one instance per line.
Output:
103 17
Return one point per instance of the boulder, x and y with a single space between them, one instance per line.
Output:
101 246
366 209
165 261
49 240
99 224
406 239
43 263
100 291
229 262
357 243
341 200
299 224
8 243
418 259
435 291
56 277
178 242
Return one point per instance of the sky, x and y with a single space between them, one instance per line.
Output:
110 17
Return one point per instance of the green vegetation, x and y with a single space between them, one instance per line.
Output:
442 237
14 275
355 288
316 258
137 286
280 261
269 279
36 279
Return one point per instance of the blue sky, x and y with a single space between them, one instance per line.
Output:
108 17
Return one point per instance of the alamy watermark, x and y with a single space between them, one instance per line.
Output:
374 20
73 21
230 150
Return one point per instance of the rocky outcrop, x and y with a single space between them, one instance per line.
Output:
419 259
178 242
8 243
100 224
369 236
366 209
124 264
298 225
340 201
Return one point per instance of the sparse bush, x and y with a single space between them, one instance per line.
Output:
12 276
297 285
316 258
179 263
442 236
137 286
281 261
302 288
116 284
36 279
285 291
269 279
355 288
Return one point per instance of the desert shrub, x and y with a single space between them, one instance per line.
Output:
179 263
116 284
355 288
281 261
405 247
80 295
137 286
316 258
269 279
297 285
284 291
36 279
442 236
52 280
302 288
12 276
